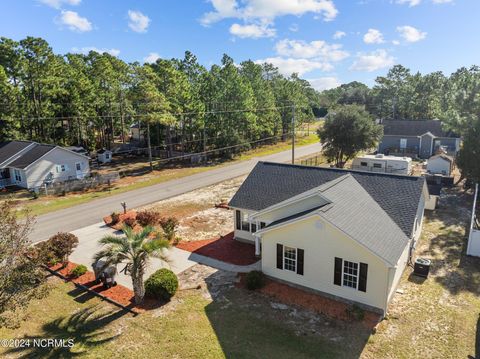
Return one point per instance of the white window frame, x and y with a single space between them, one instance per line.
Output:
294 260
17 175
61 168
78 166
403 143
351 275
243 220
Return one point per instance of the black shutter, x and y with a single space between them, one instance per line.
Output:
238 219
300 261
337 278
262 225
279 256
362 281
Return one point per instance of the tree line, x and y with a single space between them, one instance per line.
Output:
91 99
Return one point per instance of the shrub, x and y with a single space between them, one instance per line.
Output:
129 221
255 280
169 226
161 285
115 218
62 244
45 254
79 271
355 312
34 194
148 218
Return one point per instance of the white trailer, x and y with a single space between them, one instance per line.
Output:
383 164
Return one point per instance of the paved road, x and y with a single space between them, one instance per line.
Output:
86 214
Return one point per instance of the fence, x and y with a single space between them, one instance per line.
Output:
313 161
81 185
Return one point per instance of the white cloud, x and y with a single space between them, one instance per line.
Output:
411 34
372 61
373 36
287 66
339 34
87 49
319 49
253 31
151 58
138 21
294 27
442 1
74 21
396 42
410 3
267 9
324 83
57 4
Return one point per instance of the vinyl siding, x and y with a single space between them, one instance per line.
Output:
38 171
323 242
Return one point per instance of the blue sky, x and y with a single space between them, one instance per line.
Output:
327 41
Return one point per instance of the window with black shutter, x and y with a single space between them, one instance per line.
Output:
279 256
300 255
238 219
337 277
362 282
262 225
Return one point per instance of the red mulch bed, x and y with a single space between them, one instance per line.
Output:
118 293
123 216
315 302
225 249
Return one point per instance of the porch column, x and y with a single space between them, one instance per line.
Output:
257 246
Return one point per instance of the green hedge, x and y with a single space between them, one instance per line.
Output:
255 280
162 284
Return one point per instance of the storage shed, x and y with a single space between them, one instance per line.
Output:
440 164
104 156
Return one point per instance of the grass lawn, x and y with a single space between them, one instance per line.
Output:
49 204
196 328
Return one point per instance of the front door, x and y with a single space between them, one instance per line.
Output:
78 168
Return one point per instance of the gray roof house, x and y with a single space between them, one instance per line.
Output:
417 138
343 234
30 164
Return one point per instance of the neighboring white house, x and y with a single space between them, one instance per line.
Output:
30 165
383 163
473 247
137 134
440 164
347 235
104 156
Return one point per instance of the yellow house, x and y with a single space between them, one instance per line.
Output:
343 234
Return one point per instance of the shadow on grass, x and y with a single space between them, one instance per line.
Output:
85 328
247 326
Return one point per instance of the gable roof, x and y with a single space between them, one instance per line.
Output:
415 128
32 155
354 212
270 183
442 156
9 149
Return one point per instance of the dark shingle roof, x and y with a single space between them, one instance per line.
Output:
11 148
33 154
270 183
414 128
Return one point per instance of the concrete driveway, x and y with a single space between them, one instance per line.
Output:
178 259
73 218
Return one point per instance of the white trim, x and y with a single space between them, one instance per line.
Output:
295 260
357 276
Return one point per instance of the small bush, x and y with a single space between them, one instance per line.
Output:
62 244
115 218
45 254
162 284
255 280
169 226
79 271
355 312
34 194
148 218
129 222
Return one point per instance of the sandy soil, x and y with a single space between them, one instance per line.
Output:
196 212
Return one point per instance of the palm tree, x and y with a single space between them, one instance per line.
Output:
134 250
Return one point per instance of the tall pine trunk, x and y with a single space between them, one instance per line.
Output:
149 146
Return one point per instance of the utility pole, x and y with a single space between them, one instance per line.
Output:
293 134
